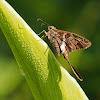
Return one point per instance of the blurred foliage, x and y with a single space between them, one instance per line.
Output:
81 17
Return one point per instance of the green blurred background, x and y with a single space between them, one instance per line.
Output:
81 17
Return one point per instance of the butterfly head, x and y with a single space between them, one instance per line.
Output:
51 28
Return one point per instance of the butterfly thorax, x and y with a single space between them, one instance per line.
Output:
52 35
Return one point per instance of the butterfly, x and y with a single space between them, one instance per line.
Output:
65 42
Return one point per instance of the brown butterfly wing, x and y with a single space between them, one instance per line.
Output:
81 42
65 51
70 42
73 41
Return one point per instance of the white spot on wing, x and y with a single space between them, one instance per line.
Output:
63 47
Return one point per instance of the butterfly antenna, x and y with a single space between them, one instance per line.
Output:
44 23
74 70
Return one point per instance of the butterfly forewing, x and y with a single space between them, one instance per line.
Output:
73 41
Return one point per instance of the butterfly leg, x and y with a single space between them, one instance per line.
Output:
73 69
43 35
46 49
43 38
42 32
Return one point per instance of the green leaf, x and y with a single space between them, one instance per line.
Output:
9 76
47 79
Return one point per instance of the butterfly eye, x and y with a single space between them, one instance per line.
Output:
50 27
